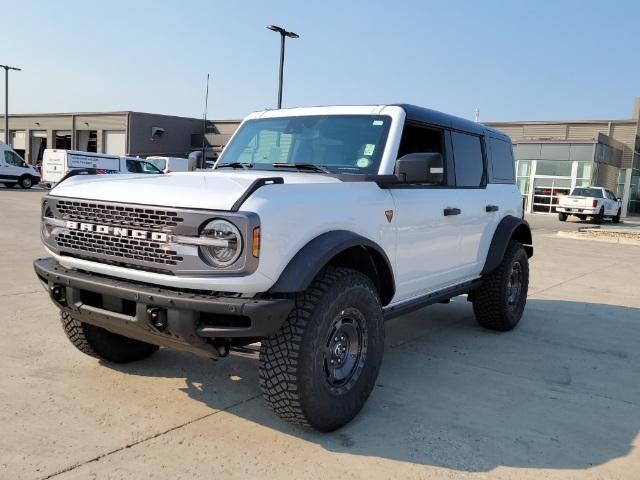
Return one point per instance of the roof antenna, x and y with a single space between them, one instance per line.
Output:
477 114
203 163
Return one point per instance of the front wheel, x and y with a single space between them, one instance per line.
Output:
26 182
321 366
499 302
100 343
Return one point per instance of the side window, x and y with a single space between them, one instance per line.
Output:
467 155
13 159
422 139
502 164
133 166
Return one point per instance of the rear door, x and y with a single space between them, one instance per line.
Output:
54 165
479 210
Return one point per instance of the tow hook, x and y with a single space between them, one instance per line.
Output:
59 294
158 317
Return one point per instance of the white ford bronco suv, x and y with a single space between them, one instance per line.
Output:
316 226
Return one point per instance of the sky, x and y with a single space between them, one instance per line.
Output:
513 60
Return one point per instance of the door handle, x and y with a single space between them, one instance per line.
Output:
492 208
452 211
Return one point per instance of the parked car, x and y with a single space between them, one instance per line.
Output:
595 202
316 226
173 164
14 170
57 163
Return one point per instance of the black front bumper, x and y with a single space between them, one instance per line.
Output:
179 319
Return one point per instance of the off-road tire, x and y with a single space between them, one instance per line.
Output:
616 219
293 371
25 182
491 301
562 217
100 343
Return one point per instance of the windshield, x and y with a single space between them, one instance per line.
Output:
161 163
335 143
587 192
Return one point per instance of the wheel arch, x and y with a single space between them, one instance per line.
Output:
338 248
509 228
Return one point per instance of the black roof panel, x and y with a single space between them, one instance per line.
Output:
426 115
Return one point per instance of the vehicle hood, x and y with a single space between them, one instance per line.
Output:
216 190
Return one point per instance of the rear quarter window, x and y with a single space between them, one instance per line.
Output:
469 163
502 166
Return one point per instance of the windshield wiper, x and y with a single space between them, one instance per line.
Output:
304 166
244 165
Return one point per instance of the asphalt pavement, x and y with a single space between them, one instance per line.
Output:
557 398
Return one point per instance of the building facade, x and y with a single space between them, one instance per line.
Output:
119 133
553 157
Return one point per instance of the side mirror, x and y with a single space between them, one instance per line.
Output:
420 168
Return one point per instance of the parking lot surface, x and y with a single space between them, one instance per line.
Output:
559 397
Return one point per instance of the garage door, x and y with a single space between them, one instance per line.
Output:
115 142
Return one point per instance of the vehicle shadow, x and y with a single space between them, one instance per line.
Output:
561 391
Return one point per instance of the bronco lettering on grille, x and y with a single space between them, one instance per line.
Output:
117 231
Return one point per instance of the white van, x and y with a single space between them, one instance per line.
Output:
14 170
173 164
57 163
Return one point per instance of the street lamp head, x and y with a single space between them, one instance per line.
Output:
275 28
282 31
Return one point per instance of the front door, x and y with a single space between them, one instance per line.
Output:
14 166
426 222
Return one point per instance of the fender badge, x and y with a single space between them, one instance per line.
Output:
389 215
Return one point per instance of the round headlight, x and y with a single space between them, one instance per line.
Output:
230 245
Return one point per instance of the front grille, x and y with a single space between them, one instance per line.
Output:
117 247
119 215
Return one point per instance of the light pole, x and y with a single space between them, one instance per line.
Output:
6 100
283 33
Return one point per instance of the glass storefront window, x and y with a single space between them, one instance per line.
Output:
523 185
584 170
524 168
553 168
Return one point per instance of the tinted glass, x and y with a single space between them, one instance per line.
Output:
467 153
501 159
137 166
587 192
13 159
339 143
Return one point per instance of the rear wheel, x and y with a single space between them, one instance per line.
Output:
599 218
100 343
562 217
616 219
320 368
499 302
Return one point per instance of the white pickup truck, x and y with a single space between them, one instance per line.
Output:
594 202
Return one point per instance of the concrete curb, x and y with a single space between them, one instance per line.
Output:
580 236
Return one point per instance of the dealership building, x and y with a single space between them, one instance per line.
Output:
553 157
118 133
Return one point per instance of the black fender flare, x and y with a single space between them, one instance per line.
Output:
315 255
508 228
